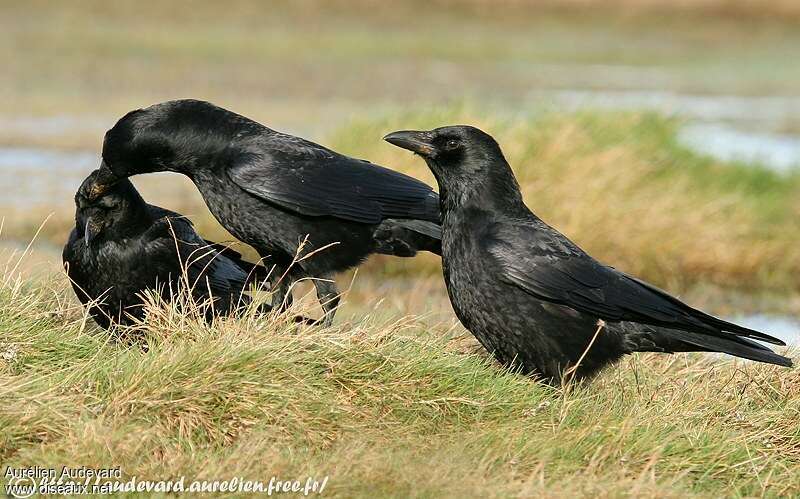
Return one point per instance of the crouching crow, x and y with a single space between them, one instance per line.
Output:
285 196
121 247
534 298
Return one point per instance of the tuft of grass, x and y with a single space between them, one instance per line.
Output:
385 408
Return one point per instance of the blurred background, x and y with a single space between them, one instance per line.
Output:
663 136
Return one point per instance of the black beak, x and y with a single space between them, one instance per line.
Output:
414 141
105 176
89 232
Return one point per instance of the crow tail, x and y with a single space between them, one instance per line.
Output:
674 340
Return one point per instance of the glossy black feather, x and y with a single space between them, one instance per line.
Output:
139 247
283 195
549 266
530 295
312 180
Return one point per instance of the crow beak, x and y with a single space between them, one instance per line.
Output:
414 141
89 232
104 170
105 175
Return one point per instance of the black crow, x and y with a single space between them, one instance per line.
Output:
534 298
121 247
283 195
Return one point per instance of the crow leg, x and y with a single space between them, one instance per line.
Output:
280 280
282 293
328 296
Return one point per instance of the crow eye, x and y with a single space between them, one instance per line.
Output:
451 144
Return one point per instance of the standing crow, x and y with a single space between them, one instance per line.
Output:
122 246
274 191
534 298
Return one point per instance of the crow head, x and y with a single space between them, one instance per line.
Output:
137 144
176 136
107 208
462 158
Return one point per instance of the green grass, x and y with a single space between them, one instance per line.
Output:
383 408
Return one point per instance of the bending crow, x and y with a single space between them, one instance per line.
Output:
275 191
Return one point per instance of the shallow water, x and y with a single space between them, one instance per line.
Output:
27 174
31 170
52 125
730 128
780 152
44 160
749 111
726 127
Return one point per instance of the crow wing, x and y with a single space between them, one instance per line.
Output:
312 180
202 259
255 271
544 263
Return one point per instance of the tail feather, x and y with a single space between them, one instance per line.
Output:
741 330
730 344
702 322
256 272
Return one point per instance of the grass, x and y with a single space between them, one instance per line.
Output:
386 408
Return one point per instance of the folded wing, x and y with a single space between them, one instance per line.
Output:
548 266
311 180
